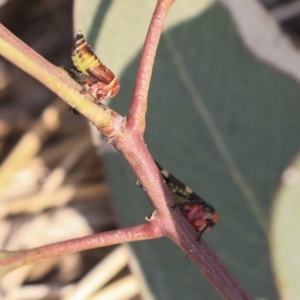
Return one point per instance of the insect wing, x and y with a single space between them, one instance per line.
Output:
179 188
102 73
112 85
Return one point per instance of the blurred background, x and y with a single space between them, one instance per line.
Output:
223 117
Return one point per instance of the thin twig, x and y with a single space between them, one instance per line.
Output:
175 226
136 118
14 260
167 221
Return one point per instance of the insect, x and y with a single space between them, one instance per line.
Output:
91 73
199 213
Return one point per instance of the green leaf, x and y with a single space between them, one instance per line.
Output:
221 121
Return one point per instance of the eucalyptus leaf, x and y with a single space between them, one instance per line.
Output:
221 121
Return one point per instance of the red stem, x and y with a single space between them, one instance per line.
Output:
172 223
211 267
130 142
137 112
135 233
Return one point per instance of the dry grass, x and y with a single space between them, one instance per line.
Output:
52 184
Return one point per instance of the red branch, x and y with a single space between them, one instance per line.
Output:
130 141
130 234
137 113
